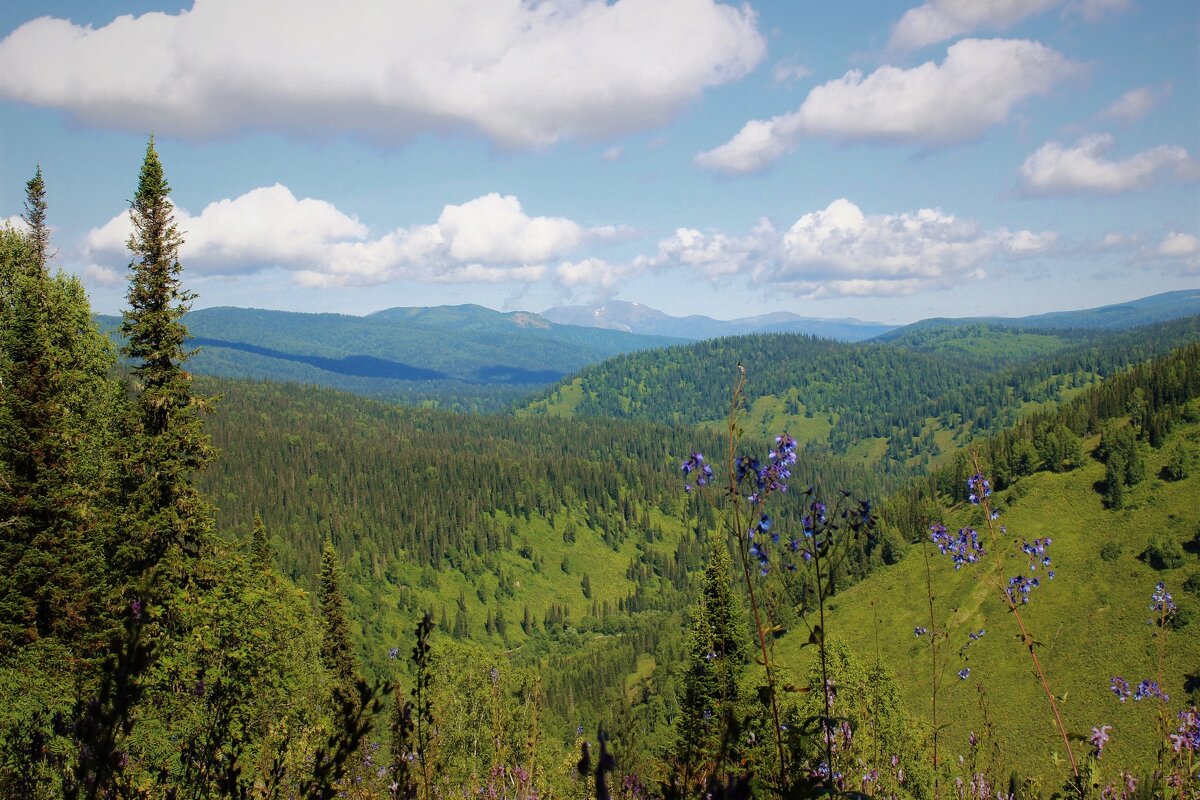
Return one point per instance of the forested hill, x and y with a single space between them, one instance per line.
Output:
886 402
1143 311
465 357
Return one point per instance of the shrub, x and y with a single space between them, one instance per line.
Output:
1111 551
1163 553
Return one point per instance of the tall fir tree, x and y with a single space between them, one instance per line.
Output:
54 404
170 520
337 654
716 658
260 545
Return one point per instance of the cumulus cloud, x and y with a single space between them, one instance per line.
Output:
1055 169
1179 245
488 239
974 88
16 222
939 20
1135 104
523 74
841 251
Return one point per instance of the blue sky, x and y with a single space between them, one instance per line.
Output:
881 160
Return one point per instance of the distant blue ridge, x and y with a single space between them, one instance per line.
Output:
358 366
372 367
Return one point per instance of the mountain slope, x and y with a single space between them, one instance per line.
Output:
1143 311
637 318
468 357
886 403
1090 620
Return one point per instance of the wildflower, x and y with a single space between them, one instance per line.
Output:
1188 735
964 673
695 463
1020 587
920 630
1161 601
1149 688
393 653
962 549
975 637
980 487
135 608
1120 687
1100 738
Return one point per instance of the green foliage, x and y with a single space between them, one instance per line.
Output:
886 403
170 519
1178 466
1164 552
1111 550
337 654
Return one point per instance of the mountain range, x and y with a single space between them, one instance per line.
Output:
636 318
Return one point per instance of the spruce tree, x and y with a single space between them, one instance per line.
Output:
170 520
717 652
260 545
54 404
336 652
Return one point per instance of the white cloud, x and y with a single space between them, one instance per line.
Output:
1055 169
524 74
613 153
976 87
1179 245
1095 10
841 251
103 276
16 222
1177 253
939 20
489 239
789 70
1135 104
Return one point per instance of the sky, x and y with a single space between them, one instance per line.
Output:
887 161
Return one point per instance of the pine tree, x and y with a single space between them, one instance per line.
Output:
260 545
336 652
55 400
169 518
718 650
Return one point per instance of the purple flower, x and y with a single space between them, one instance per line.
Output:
920 631
695 463
1100 738
1120 687
962 549
393 653
1162 602
1188 735
964 673
1149 688
980 487
135 608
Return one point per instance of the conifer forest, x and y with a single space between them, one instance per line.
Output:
957 561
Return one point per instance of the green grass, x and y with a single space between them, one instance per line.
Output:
1091 620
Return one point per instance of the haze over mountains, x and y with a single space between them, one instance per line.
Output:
636 318
472 358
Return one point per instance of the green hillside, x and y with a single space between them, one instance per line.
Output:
899 405
464 357
495 519
1090 620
